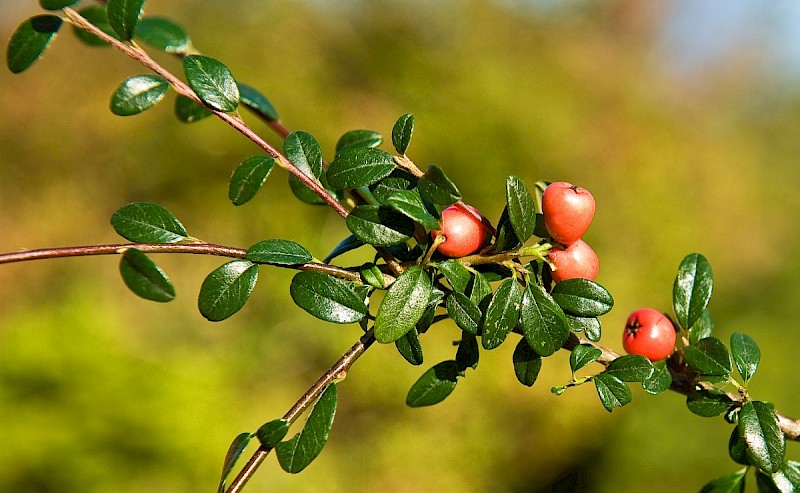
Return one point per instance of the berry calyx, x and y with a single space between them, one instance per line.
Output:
649 333
576 260
568 210
464 234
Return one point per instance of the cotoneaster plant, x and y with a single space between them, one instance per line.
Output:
503 292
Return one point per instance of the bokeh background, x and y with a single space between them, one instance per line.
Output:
680 116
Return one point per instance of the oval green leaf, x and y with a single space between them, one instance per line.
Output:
30 40
506 237
212 81
379 225
189 111
404 304
401 133
702 328
708 402
612 391
436 187
434 385
145 222
582 355
235 451
304 152
457 275
226 290
410 204
279 252
464 312
786 480
527 363
660 380
692 289
396 181
327 298
358 139
144 277
95 14
502 314
410 348
708 357
630 368
359 168
746 354
248 178
468 353
766 443
731 483
163 34
521 208
272 432
582 297
123 15
543 322
296 454
138 94
257 102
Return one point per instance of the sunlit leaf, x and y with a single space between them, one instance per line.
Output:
521 208
279 252
401 133
359 167
327 298
358 139
235 451
137 94
543 322
163 34
403 305
212 81
434 385
746 354
766 443
145 222
296 454
612 391
502 314
437 188
248 178
226 290
582 297
692 290
123 15
379 225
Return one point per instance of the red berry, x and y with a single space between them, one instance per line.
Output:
649 333
575 260
568 210
464 233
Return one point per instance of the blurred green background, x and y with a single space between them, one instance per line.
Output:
684 149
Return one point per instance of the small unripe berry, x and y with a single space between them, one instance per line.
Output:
649 333
577 260
568 210
464 233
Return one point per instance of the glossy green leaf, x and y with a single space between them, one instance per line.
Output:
591 329
359 168
372 275
702 328
346 245
137 94
404 304
144 277
502 314
708 357
410 348
248 178
257 102
235 451
582 324
464 312
660 380
226 290
731 483
145 222
766 443
582 355
630 368
527 363
212 81
436 187
434 385
272 432
96 15
189 111
785 480
397 180
358 139
737 448
468 352
409 203
746 354
379 225
304 151
521 208
296 454
582 297
302 192
458 276
543 322
612 391
123 16
692 290
708 402
279 252
506 238
56 4
163 34
401 133
479 290
30 40
327 298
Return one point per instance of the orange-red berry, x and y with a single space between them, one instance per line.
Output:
568 210
575 260
464 234
649 333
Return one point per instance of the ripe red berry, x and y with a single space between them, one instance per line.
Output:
464 233
568 210
575 260
649 333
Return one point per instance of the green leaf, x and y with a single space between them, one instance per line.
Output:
359 167
257 102
506 239
702 328
786 480
456 274
692 290
409 203
138 94
766 443
479 290
502 314
746 354
30 40
326 298
296 454
660 380
234 452
436 187
379 225
272 432
708 402
543 322
582 297
403 305
358 139
188 111
708 357
163 34
582 355
731 483
410 348
279 252
96 15
144 277
630 368
248 178
612 391
401 133
304 151
346 245
464 312
123 15
226 290
521 208
527 363
302 192
145 222
212 81
737 448
56 4
434 385
592 329
468 352
396 181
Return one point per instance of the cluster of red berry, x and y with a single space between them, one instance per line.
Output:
568 210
